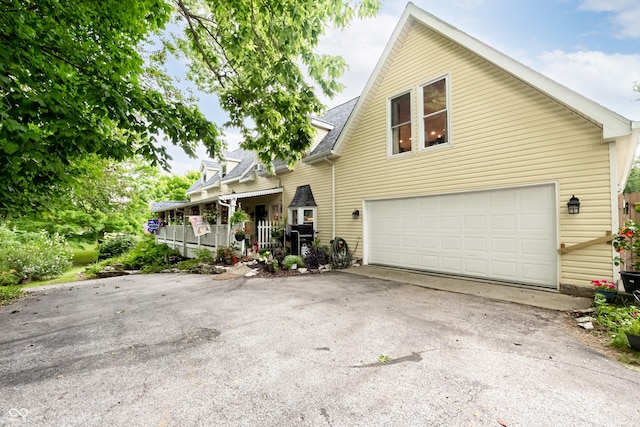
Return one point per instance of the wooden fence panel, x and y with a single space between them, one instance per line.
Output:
627 207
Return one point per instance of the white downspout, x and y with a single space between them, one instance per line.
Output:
333 197
615 209
232 208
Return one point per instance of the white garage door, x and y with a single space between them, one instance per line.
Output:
506 234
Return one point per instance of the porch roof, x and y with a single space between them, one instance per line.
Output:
225 197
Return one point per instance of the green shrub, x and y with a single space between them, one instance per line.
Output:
9 277
187 264
32 255
291 260
204 255
9 293
618 320
148 254
115 244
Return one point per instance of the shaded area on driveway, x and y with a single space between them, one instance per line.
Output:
189 350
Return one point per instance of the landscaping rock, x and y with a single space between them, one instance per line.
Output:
203 268
110 271
584 319
586 325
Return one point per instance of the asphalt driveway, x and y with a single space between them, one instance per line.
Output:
182 350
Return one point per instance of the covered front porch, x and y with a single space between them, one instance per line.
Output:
186 226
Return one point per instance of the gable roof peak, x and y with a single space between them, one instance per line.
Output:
613 124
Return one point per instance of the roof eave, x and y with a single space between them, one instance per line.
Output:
316 158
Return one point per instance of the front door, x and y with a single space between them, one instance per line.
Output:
261 213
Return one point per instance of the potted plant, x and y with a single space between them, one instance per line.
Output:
605 288
211 215
627 244
238 217
241 233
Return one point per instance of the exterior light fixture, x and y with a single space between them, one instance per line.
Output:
573 205
355 214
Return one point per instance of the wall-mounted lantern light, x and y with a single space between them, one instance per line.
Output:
574 205
355 214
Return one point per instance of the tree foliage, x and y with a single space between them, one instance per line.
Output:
174 187
73 82
255 56
110 197
633 182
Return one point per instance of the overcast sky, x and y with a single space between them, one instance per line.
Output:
590 46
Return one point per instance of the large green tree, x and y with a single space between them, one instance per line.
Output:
74 82
111 197
259 57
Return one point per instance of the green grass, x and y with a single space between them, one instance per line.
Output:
72 275
84 254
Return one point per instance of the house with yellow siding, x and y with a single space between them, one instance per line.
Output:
458 160
475 158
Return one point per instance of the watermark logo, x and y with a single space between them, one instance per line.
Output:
22 412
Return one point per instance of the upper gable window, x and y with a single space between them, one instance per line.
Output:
400 131
435 117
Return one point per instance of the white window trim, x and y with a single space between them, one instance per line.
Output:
390 131
447 82
300 215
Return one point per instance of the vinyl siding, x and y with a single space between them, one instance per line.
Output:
503 134
318 176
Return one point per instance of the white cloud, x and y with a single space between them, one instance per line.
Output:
625 15
605 78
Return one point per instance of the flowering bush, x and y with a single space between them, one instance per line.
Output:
627 244
603 285
31 256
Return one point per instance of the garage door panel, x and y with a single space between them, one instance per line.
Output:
451 264
476 267
429 242
452 202
506 234
429 204
475 224
504 270
478 244
532 222
534 247
475 201
411 242
451 222
531 272
430 263
451 242
499 201
502 223
503 245
409 222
